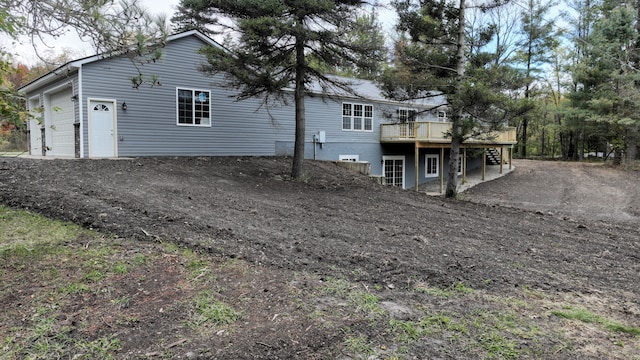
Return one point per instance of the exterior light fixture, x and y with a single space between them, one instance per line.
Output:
124 106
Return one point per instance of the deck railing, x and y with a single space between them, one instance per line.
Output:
436 132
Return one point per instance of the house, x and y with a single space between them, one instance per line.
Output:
88 108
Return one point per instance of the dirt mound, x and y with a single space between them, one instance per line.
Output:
337 224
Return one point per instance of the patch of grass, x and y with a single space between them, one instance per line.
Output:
210 310
406 331
95 276
589 317
457 288
24 233
410 331
498 346
120 268
48 340
461 288
139 260
358 345
432 291
336 287
365 302
121 303
127 320
74 288
444 322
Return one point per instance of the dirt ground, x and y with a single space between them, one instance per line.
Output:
559 230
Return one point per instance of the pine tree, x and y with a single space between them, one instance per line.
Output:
607 78
274 42
434 55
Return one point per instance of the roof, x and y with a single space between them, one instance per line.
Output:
73 66
367 89
362 89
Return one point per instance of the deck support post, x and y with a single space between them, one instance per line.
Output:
501 159
417 165
441 170
510 157
484 163
464 164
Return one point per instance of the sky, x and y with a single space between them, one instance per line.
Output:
24 52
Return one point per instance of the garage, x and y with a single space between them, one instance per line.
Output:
35 134
60 134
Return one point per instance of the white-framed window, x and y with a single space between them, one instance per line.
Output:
442 115
460 164
193 107
353 158
406 115
357 117
431 165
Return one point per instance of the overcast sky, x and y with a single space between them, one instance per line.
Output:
25 53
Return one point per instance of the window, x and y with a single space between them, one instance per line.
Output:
442 115
460 159
406 115
357 117
432 166
194 107
353 158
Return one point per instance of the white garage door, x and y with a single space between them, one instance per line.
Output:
60 137
35 139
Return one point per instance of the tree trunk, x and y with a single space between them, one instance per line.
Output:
525 124
543 142
456 127
454 157
631 145
297 168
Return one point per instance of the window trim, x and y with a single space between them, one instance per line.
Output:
426 165
411 115
394 158
352 116
193 104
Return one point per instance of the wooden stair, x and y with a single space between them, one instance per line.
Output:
493 156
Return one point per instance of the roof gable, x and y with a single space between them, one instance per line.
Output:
73 66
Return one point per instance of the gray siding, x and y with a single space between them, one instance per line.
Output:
148 126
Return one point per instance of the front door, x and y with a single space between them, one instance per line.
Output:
101 129
394 170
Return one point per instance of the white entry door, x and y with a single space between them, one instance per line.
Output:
102 137
393 170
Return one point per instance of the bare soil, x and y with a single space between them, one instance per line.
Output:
548 233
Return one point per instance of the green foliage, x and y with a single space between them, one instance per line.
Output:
589 317
607 78
264 60
210 310
358 345
433 56
282 44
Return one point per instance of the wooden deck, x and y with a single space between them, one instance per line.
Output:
436 132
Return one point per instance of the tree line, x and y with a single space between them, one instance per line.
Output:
564 74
